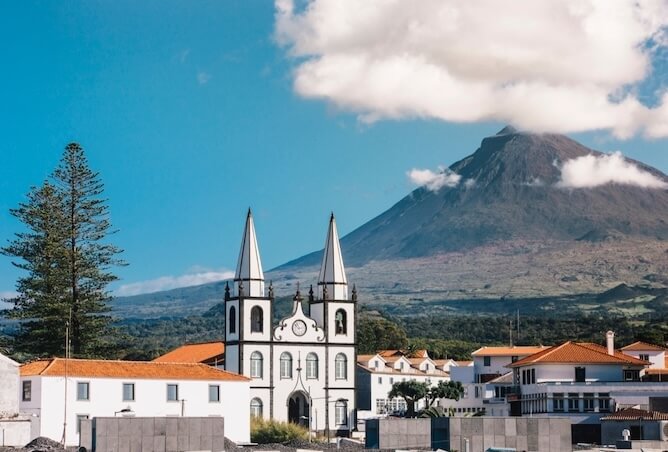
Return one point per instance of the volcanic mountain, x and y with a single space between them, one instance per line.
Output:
509 190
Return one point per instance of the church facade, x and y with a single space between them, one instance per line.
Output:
302 369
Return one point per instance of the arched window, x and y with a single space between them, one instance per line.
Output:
311 366
256 365
341 412
286 365
256 407
256 319
233 320
341 367
340 322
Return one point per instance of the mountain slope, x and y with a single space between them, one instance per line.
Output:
510 194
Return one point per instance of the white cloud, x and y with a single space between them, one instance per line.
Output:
173 282
203 77
433 181
592 171
7 294
542 65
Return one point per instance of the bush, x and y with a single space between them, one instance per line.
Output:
269 431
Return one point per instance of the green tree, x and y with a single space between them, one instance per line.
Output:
75 222
412 391
446 390
41 303
379 334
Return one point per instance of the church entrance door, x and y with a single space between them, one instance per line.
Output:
298 408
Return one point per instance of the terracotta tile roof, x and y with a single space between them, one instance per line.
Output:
578 353
519 350
98 368
633 414
418 354
656 371
640 346
204 352
388 353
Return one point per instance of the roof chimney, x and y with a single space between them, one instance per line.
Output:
610 341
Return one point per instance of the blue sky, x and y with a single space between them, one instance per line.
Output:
188 111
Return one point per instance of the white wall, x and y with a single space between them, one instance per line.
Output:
106 397
497 364
10 388
566 372
657 358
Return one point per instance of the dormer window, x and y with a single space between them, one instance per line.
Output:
376 364
644 357
401 365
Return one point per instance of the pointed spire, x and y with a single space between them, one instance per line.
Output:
249 265
332 279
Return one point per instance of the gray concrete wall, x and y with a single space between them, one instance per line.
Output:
611 431
480 433
15 433
9 387
148 434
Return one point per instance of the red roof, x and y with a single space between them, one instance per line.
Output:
203 352
640 346
98 368
633 414
578 353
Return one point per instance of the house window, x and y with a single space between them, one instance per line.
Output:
80 417
340 320
380 380
391 380
588 402
637 432
83 392
172 393
603 402
256 407
631 375
233 320
341 412
401 365
128 392
311 366
477 392
558 402
573 402
26 391
533 376
341 367
513 359
376 364
286 365
643 357
256 319
256 365
580 375
214 393
486 361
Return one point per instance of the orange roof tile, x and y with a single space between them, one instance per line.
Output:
203 352
98 368
656 371
633 414
578 352
517 350
640 346
388 353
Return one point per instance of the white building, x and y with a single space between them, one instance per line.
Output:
377 373
303 368
61 392
487 380
583 381
15 429
655 354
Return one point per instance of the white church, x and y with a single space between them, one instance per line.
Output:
302 370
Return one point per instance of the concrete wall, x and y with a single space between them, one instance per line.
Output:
566 372
15 433
611 431
9 389
153 434
480 433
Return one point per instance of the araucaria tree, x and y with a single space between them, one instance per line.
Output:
67 260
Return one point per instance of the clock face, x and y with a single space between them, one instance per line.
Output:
299 327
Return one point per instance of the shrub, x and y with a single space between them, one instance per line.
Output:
265 431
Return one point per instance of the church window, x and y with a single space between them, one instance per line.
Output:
341 412
233 320
341 367
256 319
311 366
286 365
256 365
256 407
340 320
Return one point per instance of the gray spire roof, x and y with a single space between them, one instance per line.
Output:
249 265
332 271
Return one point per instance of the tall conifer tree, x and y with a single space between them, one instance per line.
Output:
82 267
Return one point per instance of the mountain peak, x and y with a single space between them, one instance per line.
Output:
508 130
